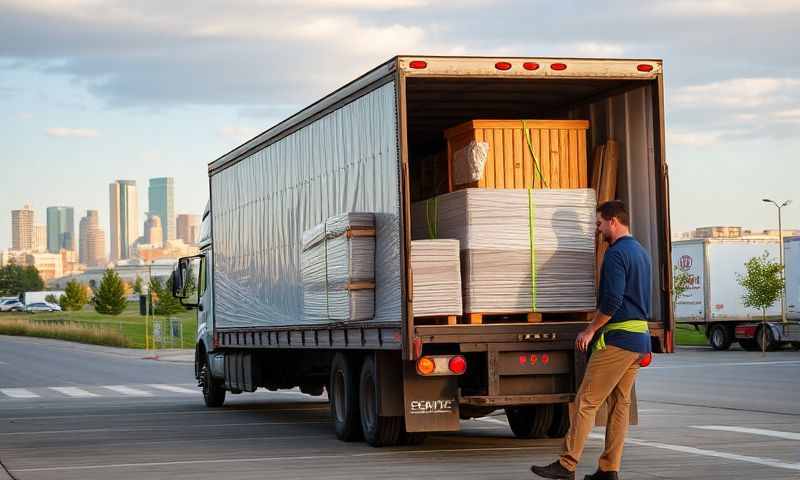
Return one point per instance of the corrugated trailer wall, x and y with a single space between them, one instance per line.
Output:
346 161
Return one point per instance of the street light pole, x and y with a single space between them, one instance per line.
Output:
780 252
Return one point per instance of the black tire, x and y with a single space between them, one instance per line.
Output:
795 345
765 339
748 344
530 421
560 425
343 397
213 392
720 337
378 431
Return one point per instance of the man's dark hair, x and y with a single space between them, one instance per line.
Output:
614 209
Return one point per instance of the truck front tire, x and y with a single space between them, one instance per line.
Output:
532 421
343 397
720 337
213 392
560 425
378 431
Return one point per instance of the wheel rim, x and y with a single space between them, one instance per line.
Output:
716 337
368 402
204 380
338 395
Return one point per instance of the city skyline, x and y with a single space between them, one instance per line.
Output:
161 202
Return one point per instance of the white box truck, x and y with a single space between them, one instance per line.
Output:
713 299
355 151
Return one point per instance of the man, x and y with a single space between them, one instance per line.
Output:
623 339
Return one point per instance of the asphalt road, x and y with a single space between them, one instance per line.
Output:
80 412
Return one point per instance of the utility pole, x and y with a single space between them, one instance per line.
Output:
780 251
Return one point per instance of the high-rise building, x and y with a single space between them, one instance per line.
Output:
189 228
161 196
153 231
123 218
22 228
92 240
40 238
49 265
60 229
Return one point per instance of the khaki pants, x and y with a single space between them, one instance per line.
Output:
610 375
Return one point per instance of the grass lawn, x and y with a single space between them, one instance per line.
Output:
686 335
129 323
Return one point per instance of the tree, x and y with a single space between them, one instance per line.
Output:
138 288
15 280
762 283
680 283
165 303
75 296
110 296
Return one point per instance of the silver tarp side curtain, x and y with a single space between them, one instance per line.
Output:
344 162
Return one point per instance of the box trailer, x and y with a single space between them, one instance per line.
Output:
373 146
713 299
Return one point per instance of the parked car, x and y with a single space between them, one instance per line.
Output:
42 307
12 305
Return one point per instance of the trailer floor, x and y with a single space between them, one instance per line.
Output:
704 414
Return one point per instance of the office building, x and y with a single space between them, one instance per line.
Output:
123 218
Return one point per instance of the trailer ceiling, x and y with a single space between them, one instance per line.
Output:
435 104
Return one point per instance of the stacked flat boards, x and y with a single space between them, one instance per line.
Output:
338 268
436 272
522 250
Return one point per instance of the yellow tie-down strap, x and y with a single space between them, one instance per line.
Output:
633 326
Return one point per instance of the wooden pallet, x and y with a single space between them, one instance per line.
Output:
480 318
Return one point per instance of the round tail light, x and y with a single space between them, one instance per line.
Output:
458 365
425 366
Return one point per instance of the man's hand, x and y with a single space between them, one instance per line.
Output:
584 339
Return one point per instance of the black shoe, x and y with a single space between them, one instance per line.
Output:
554 470
601 475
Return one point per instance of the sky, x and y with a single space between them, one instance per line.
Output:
97 90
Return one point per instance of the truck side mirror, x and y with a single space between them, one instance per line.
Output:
177 282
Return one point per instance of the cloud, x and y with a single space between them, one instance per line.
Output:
725 8
24 116
240 133
72 132
693 138
739 93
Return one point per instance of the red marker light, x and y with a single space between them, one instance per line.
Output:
558 66
530 66
418 64
502 66
644 68
458 365
545 358
522 359
534 359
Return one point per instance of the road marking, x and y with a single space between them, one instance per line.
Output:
74 392
18 393
731 364
769 462
134 392
753 431
173 389
157 427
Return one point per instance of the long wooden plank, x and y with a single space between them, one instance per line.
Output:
563 147
488 175
574 173
555 160
480 136
519 175
544 151
527 161
583 181
499 160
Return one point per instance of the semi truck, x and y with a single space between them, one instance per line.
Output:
392 379
713 300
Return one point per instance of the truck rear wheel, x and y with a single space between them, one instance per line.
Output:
720 337
378 431
343 397
765 339
560 425
530 421
213 392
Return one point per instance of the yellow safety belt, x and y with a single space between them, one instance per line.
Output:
633 326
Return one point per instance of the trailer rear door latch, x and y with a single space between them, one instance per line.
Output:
527 337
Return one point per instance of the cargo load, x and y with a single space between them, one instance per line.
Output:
435 266
521 250
338 268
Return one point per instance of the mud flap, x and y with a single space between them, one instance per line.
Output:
431 403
